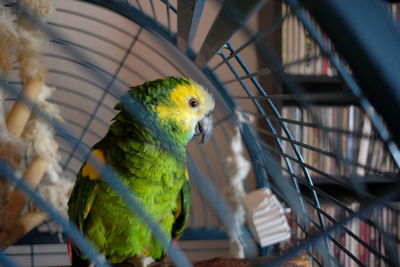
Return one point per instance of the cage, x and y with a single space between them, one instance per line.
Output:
306 105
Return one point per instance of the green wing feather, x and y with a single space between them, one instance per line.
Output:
81 199
182 211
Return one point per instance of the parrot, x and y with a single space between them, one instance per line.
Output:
156 174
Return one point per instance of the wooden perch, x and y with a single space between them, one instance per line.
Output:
11 229
300 261
21 111
24 225
32 176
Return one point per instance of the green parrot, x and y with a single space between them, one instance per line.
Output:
157 176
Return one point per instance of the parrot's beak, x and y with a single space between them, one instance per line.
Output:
205 128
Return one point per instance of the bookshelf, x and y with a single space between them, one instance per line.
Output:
321 87
332 105
342 186
320 90
344 192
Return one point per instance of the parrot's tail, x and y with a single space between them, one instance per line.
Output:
74 255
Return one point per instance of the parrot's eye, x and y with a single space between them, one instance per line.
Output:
193 102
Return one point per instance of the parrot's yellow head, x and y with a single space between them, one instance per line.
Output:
189 105
182 107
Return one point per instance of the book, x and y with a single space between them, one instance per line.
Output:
343 142
373 242
300 53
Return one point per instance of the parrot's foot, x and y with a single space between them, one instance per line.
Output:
141 261
146 261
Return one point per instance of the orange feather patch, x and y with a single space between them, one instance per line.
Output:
88 170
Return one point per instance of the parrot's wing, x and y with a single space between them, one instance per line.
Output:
84 192
81 199
182 211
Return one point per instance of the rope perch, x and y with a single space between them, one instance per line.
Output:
22 42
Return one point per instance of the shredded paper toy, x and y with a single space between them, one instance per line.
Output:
266 217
